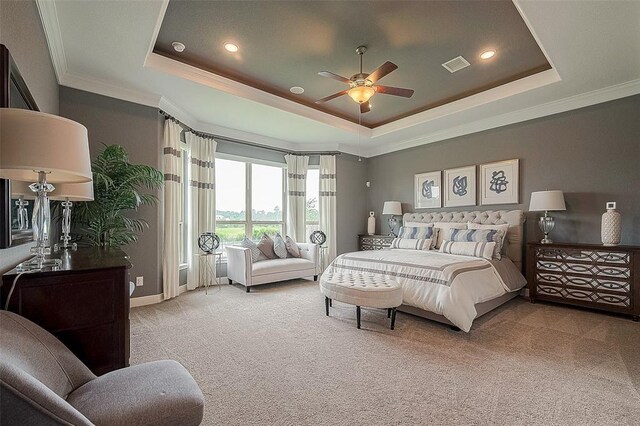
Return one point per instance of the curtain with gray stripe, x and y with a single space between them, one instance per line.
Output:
297 166
172 180
328 207
202 201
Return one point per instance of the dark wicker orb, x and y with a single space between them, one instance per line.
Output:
208 242
318 237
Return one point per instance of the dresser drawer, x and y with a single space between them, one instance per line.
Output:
591 283
572 268
588 256
616 300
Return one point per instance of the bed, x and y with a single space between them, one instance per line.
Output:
448 288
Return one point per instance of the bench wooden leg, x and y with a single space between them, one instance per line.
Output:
388 312
248 289
393 318
327 303
315 278
331 303
358 316
230 282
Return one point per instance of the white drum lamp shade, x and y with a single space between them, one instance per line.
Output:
392 208
32 141
548 201
73 192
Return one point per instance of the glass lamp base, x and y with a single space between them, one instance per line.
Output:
39 264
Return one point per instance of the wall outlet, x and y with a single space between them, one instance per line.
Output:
139 281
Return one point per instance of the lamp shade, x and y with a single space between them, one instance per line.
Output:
361 94
547 201
392 207
32 141
73 192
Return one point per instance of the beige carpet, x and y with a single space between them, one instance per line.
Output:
273 357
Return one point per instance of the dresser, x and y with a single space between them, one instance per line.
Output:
85 304
587 275
374 242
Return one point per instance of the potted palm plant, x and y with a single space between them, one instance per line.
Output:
119 189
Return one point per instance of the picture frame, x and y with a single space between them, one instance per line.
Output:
499 182
460 187
427 190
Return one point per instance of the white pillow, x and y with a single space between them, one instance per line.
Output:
411 244
279 246
504 227
469 248
479 235
444 228
253 248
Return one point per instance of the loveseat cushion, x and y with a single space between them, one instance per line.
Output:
275 266
156 393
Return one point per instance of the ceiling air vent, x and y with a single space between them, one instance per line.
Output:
456 64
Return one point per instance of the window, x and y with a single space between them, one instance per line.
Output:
263 197
183 215
313 201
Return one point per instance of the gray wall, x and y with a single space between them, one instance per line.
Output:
592 154
139 129
351 195
21 31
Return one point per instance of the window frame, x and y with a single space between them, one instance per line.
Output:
183 225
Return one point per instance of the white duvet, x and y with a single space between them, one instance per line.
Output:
447 284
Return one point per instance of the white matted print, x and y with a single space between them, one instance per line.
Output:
499 182
427 190
460 187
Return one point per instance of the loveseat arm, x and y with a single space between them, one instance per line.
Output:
239 265
310 252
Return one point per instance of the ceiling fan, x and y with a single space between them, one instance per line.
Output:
362 85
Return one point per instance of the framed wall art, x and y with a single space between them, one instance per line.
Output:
460 187
499 182
427 190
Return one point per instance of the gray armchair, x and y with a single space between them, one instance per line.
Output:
43 383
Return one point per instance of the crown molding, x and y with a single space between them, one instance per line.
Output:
51 26
582 100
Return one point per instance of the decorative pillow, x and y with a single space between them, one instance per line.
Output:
292 247
418 233
479 235
411 244
279 246
265 245
504 227
469 248
418 224
253 248
443 230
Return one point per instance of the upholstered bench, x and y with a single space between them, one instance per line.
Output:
371 291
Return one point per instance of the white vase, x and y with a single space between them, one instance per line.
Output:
611 226
371 224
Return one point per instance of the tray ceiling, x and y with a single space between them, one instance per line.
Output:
285 44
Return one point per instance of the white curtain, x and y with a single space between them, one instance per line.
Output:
171 167
297 166
202 200
328 206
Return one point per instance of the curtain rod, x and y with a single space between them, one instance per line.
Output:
241 142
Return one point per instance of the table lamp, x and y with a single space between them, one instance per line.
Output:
393 208
67 193
546 201
45 149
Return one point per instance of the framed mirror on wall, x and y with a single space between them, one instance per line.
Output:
16 204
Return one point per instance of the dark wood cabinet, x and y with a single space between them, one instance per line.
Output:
588 275
85 304
374 242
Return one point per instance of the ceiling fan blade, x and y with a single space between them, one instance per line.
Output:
381 71
365 107
334 76
396 91
328 98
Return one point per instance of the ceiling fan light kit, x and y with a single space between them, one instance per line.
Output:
362 85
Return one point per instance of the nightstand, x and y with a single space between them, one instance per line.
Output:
588 275
374 242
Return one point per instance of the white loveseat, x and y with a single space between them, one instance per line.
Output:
241 269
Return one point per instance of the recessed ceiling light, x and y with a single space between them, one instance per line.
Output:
230 47
297 90
178 47
487 54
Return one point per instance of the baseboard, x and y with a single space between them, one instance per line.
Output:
135 302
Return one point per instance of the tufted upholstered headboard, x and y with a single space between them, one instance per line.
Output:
515 219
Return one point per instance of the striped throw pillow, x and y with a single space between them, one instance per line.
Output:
411 244
419 233
253 248
483 250
279 246
481 236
